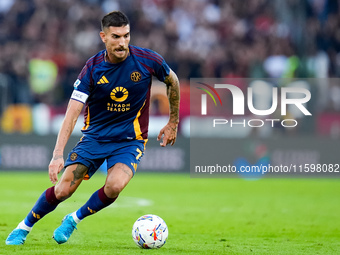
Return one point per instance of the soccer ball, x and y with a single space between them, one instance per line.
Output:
150 232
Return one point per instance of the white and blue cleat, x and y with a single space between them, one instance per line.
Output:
63 233
17 237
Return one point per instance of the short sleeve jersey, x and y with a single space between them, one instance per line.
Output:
116 96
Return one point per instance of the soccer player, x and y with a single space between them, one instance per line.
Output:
115 87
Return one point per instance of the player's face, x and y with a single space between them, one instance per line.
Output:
116 40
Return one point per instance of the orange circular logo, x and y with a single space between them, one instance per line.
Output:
119 94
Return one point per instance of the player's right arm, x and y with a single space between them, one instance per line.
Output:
73 111
169 132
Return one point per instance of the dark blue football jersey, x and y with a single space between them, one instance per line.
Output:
117 95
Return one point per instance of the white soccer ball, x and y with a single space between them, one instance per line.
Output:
150 232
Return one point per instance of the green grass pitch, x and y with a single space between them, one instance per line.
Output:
204 216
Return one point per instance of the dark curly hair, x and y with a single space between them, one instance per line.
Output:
115 19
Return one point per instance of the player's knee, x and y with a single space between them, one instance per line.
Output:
113 190
62 193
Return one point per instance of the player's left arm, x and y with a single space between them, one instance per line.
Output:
169 132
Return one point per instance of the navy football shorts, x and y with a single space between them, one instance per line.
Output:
92 154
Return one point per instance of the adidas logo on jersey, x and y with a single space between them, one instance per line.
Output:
103 80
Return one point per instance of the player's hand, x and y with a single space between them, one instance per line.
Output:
169 134
56 164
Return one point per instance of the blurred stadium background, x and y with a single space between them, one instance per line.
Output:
44 45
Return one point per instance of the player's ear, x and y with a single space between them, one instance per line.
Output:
102 36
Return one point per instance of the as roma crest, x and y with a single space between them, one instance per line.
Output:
136 76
